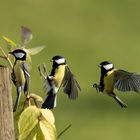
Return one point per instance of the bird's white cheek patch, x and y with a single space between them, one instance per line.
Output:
19 55
60 61
109 66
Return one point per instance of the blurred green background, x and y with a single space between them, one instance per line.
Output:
86 32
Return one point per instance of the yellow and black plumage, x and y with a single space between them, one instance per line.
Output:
119 79
60 75
20 74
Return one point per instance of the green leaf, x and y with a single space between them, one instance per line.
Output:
28 121
36 97
26 35
28 59
47 124
32 51
39 135
48 130
32 134
35 50
33 125
10 44
48 115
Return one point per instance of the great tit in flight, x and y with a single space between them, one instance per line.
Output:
60 75
20 74
122 80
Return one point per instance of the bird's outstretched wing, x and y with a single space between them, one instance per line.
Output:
47 79
27 76
126 81
47 85
70 84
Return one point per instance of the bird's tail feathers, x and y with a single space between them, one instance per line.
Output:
50 101
19 90
26 88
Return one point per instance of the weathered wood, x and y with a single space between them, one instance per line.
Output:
6 105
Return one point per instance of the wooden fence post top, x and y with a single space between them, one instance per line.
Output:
6 105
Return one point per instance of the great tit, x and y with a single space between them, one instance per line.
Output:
60 75
122 80
20 74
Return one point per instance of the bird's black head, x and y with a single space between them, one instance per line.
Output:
19 54
59 60
106 66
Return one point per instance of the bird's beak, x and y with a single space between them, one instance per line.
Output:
99 65
10 53
51 60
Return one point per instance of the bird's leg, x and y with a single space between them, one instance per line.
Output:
119 101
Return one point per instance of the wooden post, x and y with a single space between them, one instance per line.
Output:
6 105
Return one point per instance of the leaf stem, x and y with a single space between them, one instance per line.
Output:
61 133
6 57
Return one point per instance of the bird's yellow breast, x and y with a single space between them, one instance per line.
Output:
109 82
19 74
59 75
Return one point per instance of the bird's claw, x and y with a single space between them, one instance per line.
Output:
96 86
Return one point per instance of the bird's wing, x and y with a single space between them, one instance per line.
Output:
47 84
126 81
25 68
13 77
70 84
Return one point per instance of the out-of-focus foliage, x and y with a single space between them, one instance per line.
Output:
36 124
33 99
36 97
85 32
9 43
26 37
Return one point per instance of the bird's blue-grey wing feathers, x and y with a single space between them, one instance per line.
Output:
25 68
70 84
126 81
47 85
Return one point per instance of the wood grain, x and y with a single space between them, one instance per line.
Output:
6 105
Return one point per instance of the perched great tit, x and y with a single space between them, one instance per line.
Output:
60 75
119 79
20 74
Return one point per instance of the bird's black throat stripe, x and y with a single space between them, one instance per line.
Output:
103 74
54 67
